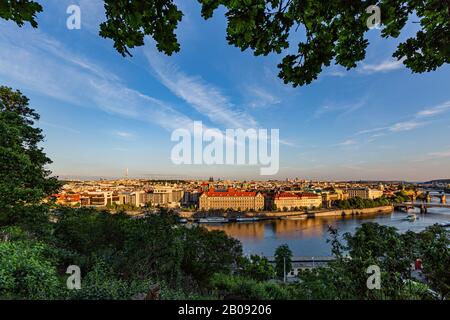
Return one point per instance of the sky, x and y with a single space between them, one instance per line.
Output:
102 113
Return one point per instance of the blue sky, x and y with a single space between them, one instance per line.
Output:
102 113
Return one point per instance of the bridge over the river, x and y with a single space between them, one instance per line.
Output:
425 202
423 206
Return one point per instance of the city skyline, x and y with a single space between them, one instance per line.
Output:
375 122
169 179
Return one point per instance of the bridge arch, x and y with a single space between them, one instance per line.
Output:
441 196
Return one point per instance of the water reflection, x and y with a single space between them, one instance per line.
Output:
308 237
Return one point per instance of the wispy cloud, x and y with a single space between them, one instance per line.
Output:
124 134
335 71
384 66
366 131
401 126
346 143
288 143
259 97
406 126
354 166
416 121
206 98
440 154
435 110
47 68
321 111
341 109
434 156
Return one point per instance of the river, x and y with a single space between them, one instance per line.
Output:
309 237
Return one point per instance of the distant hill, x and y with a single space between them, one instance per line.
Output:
438 181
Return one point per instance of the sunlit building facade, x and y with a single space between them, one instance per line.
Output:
231 199
364 193
290 201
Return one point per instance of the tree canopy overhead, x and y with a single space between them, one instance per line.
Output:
20 12
331 31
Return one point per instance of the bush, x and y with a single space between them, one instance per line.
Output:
359 203
257 268
102 284
26 273
237 287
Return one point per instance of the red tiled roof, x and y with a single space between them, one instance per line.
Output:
75 197
310 195
230 193
295 195
68 197
286 195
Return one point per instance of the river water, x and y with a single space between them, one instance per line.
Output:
309 237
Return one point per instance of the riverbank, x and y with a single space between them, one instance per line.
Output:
352 212
310 214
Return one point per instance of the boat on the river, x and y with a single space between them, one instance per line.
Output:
247 219
213 220
444 224
411 217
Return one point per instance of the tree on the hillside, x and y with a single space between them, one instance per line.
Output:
376 245
26 272
235 287
257 268
329 31
24 179
435 253
283 260
207 252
